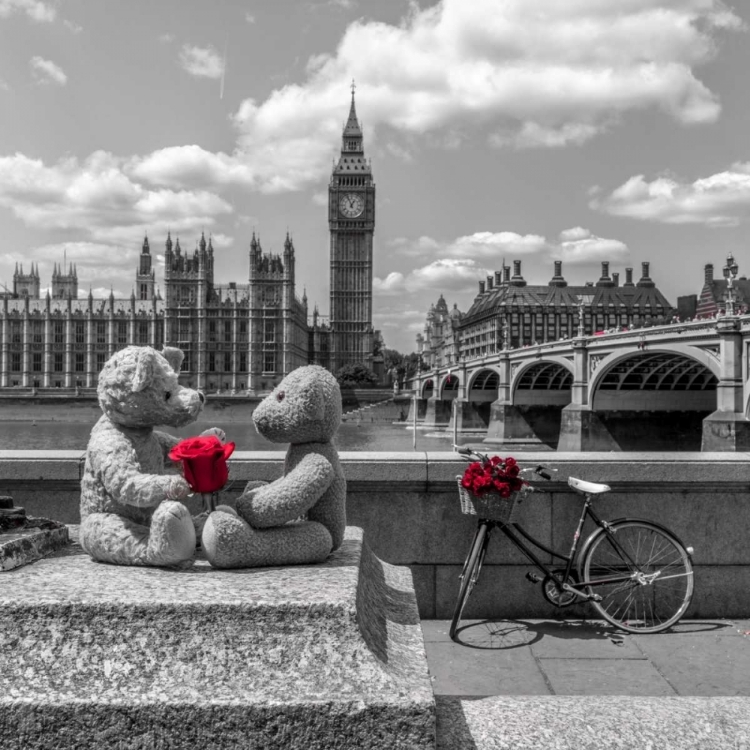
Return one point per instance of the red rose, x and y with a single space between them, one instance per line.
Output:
204 462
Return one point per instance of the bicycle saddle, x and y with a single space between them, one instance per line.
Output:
590 488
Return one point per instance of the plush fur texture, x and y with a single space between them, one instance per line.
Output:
130 514
305 411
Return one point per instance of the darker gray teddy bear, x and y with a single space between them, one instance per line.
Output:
305 411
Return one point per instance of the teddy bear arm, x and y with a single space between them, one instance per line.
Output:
123 481
166 441
289 496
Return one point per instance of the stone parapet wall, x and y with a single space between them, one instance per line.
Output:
408 506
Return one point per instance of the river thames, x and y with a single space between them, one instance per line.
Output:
58 435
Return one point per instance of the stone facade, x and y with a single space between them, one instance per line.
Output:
508 313
237 337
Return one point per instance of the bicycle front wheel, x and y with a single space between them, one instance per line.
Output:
470 575
642 573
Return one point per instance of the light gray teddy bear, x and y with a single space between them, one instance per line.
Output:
305 411
130 514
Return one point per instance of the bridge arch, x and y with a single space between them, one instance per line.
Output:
449 386
428 388
482 386
663 379
543 382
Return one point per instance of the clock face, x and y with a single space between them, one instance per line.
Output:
351 205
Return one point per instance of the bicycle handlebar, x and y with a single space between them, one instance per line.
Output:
545 472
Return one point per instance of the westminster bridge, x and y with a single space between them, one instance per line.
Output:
683 385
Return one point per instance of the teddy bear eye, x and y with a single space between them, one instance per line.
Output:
280 396
167 395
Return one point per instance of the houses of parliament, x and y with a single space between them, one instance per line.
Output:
237 337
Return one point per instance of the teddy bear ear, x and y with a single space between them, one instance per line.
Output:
144 368
174 356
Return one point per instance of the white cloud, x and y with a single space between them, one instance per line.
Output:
496 245
204 62
249 17
34 9
166 38
530 72
191 166
579 245
447 274
97 197
45 71
73 27
722 199
320 198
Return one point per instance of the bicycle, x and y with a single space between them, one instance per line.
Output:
637 574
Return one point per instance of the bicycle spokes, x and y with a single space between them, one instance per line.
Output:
643 574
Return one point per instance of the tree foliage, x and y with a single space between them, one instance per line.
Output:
352 376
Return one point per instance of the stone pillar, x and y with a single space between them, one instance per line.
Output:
26 339
4 354
728 429
580 426
421 409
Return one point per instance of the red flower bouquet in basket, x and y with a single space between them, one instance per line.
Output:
492 488
204 464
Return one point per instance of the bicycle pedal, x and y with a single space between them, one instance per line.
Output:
533 578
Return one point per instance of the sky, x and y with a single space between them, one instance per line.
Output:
534 130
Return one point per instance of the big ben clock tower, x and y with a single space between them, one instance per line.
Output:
351 219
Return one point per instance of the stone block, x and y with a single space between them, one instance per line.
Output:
23 546
327 656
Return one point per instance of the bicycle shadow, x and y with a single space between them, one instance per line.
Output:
506 634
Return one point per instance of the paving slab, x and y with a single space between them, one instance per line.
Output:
710 665
604 677
457 670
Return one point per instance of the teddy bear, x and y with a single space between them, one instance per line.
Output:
300 517
130 509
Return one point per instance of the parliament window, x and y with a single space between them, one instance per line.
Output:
228 331
59 332
58 367
143 333
80 362
101 332
227 362
80 333
122 333
212 361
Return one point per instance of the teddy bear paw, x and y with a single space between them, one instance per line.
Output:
172 537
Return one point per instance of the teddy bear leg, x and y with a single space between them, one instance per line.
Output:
171 540
230 542
111 538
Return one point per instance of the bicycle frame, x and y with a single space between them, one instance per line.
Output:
566 583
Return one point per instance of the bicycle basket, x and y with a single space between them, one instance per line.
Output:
491 505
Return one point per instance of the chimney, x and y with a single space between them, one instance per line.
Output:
517 279
709 273
481 287
506 274
605 279
498 278
645 280
616 279
628 277
489 283
557 279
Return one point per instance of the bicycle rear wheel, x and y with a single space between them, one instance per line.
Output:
658 583
470 574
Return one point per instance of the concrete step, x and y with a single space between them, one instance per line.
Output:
324 656
591 722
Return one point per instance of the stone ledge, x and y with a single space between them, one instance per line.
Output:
23 546
321 656
594 723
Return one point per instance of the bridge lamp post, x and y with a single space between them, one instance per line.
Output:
730 274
